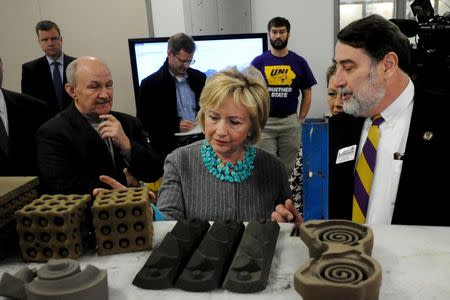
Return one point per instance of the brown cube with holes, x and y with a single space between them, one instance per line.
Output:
123 221
53 226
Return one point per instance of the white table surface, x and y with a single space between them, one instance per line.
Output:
415 262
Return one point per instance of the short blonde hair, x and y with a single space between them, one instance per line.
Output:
246 88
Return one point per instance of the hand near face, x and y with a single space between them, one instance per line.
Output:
186 125
111 128
287 212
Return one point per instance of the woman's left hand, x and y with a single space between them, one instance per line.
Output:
287 212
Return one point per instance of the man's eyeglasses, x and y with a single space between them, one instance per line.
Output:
185 62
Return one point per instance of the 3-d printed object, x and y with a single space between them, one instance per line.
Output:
208 266
251 265
13 286
318 235
60 279
15 192
168 260
53 226
341 266
123 221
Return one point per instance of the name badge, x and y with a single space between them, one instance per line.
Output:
346 154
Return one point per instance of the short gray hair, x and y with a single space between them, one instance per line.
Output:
72 68
70 72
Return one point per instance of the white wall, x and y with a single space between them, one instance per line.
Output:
89 27
168 17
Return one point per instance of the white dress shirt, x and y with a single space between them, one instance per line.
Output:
3 111
393 136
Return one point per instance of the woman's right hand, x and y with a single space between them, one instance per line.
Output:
287 213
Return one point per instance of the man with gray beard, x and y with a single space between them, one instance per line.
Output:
401 182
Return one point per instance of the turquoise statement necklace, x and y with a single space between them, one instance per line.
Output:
229 172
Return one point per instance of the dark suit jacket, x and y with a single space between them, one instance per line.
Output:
71 154
423 191
25 115
157 106
37 82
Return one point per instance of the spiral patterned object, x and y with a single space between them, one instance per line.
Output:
320 235
343 273
340 266
341 235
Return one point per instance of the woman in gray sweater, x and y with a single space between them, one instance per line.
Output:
225 176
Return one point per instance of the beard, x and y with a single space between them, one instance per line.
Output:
368 97
279 44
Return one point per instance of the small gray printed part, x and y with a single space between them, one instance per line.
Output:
91 283
59 279
13 286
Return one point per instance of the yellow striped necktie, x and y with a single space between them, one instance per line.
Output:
365 167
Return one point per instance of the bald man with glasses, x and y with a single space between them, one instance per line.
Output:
168 98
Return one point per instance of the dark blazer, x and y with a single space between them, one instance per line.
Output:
157 106
37 82
72 156
25 115
423 191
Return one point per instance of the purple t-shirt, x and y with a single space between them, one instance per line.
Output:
285 77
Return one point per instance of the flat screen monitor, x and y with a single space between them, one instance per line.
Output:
213 53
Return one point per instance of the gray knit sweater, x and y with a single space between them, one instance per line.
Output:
188 190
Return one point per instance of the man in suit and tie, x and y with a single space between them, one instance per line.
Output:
20 118
44 78
402 174
88 139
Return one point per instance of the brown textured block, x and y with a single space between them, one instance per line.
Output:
53 226
15 192
123 221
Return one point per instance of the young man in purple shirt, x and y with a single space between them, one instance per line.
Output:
287 74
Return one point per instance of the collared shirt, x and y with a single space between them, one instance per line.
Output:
3 111
393 136
186 105
60 67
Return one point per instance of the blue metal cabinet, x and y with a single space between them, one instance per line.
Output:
315 168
